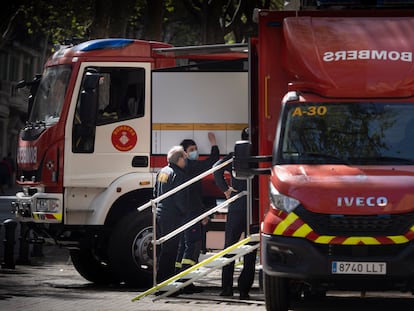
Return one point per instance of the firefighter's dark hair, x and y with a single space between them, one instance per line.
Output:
187 143
245 134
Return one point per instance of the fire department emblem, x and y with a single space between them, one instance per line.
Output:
124 138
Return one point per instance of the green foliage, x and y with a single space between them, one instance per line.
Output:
57 20
184 22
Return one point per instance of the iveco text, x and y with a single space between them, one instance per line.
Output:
362 201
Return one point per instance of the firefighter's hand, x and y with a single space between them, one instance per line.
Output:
229 191
204 221
212 138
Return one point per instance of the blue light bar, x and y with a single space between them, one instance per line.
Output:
100 44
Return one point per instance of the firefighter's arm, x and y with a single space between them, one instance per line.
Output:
219 176
181 197
214 152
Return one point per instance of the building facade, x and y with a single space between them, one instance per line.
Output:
17 63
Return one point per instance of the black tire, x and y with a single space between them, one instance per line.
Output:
130 250
276 291
91 267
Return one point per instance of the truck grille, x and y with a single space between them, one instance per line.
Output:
33 175
362 251
352 225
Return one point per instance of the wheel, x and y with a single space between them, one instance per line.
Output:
276 290
91 268
130 250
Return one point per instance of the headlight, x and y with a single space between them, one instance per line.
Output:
281 201
47 205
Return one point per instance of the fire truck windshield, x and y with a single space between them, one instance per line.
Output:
362 133
50 95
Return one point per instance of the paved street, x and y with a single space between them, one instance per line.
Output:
51 283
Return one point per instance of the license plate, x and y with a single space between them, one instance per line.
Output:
353 267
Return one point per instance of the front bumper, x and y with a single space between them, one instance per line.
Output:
39 207
302 259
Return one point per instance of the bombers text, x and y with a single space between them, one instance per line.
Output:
331 56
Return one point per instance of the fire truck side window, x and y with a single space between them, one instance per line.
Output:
121 94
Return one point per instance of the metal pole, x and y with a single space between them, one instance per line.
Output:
248 206
154 242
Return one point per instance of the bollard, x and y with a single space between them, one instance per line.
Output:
24 245
37 250
9 241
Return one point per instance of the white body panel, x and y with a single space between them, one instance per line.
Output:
184 105
191 104
106 163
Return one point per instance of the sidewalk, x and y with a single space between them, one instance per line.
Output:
52 284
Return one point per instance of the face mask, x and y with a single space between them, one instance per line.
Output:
193 155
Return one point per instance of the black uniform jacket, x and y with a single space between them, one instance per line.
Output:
238 184
168 178
194 168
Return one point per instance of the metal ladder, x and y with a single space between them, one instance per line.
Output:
216 261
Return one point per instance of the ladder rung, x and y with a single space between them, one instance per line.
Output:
215 263
173 285
192 274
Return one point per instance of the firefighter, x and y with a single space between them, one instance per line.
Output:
191 241
236 224
171 210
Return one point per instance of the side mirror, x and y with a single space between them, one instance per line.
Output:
83 132
241 161
89 99
91 81
33 86
245 165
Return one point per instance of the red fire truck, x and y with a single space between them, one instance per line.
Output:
103 118
330 109
332 147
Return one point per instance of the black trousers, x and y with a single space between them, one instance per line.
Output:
235 226
191 241
167 251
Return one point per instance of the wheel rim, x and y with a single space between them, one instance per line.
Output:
142 249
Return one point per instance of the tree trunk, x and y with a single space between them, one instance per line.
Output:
153 20
111 18
212 30
100 22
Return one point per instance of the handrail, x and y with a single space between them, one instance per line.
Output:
168 236
182 186
197 219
